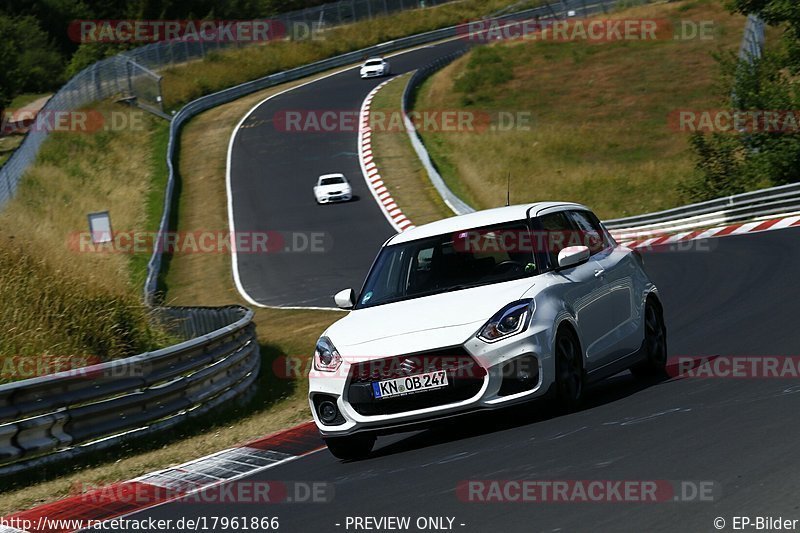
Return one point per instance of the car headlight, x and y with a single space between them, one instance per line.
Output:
326 357
510 320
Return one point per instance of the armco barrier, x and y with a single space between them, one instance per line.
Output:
62 415
456 204
765 202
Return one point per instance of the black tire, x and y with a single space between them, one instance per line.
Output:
351 447
655 343
570 379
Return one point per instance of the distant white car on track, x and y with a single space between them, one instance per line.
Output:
375 67
332 188
482 311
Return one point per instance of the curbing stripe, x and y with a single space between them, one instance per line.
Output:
156 488
648 239
369 168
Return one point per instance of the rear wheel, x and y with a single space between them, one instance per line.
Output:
655 343
570 379
351 447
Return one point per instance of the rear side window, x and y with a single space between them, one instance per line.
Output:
590 231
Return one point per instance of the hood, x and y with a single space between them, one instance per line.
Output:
437 321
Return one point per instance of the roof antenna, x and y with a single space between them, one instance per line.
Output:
508 189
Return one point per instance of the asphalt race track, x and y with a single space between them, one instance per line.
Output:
272 173
727 296
733 296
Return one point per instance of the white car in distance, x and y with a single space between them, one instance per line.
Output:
332 188
482 311
374 67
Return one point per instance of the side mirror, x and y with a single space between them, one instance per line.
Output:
346 299
573 255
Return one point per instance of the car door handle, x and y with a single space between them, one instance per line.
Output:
599 272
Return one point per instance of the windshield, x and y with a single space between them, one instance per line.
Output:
373 62
331 181
448 262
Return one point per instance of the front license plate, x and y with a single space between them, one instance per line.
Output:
409 384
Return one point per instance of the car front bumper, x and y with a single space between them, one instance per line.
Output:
496 364
334 199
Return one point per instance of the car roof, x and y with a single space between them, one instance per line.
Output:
335 175
376 58
478 219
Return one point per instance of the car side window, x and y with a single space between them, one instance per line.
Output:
591 233
557 235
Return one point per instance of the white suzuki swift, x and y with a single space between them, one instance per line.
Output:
482 311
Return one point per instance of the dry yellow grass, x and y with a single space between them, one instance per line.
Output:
400 168
599 133
57 301
204 279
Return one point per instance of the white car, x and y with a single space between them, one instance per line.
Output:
482 311
374 67
332 188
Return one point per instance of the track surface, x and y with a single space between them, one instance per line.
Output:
272 174
729 296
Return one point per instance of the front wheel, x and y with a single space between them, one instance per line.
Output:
570 378
655 343
350 447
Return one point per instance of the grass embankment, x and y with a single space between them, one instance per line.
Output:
400 168
197 279
230 67
59 302
599 133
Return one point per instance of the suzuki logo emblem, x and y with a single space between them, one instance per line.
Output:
408 366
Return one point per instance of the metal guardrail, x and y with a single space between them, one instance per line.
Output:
765 202
456 204
62 415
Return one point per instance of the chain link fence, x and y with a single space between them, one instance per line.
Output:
133 74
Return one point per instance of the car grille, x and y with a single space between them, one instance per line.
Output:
464 380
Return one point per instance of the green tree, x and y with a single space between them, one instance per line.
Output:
29 61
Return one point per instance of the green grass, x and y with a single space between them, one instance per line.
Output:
7 146
599 132
154 199
21 100
400 168
57 299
